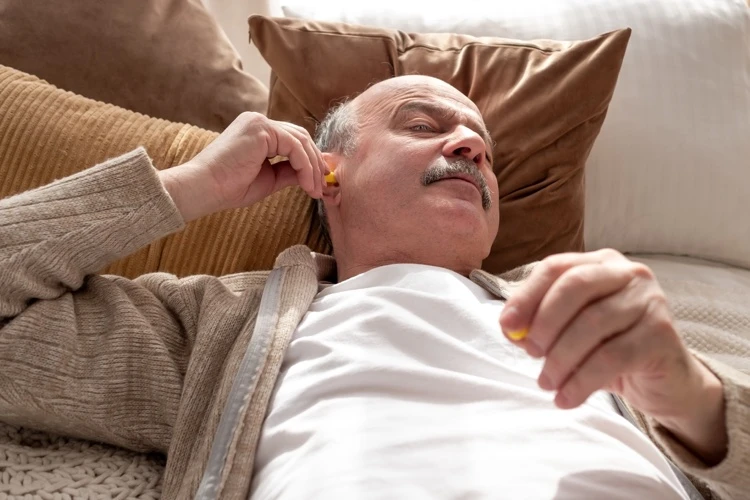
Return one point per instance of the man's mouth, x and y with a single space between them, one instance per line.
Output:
463 177
461 170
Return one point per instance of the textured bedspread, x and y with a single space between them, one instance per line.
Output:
35 465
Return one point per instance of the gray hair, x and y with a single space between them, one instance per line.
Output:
337 133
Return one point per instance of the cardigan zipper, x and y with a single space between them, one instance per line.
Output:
243 386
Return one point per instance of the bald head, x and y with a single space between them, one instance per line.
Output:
406 84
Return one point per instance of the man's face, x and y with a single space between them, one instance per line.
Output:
420 183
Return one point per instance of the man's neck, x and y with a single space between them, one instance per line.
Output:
349 268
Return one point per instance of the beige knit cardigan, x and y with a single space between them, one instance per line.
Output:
185 367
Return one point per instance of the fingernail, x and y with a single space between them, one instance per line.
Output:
518 334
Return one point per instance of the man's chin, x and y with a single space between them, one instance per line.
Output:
460 222
464 211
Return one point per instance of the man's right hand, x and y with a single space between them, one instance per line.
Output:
234 170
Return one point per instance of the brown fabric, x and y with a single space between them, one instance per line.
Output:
543 101
47 133
165 58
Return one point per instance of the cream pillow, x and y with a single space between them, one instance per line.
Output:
669 170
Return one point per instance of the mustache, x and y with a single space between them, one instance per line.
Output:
444 168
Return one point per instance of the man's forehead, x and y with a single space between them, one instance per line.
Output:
419 93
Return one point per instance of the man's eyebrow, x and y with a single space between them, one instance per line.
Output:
434 109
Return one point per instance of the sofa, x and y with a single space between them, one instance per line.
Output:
627 127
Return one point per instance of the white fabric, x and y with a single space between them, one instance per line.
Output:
232 17
399 384
670 169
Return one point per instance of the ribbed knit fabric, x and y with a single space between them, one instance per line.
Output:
148 364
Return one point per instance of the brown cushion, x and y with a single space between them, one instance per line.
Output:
544 103
165 58
47 133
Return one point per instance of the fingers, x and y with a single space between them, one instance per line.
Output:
303 162
285 175
570 294
520 310
601 322
321 161
614 360
320 168
596 324
600 370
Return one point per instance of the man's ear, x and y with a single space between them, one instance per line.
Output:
332 160
332 191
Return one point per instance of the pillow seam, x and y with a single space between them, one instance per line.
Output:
430 47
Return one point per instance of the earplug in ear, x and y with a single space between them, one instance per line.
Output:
331 179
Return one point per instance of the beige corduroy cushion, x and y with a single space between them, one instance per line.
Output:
47 133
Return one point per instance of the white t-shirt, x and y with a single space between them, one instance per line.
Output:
398 384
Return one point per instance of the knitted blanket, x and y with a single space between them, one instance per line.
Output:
39 466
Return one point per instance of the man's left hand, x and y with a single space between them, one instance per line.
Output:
602 321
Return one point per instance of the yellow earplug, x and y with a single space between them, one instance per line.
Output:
331 179
519 334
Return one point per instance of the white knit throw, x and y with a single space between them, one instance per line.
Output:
39 466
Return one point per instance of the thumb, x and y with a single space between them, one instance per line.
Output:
514 323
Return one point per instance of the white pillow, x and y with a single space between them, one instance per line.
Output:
670 171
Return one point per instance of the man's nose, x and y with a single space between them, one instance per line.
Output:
467 143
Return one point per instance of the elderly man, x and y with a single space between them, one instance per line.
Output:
396 369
